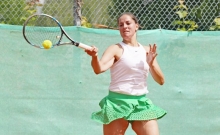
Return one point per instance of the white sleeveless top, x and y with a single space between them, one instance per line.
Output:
129 73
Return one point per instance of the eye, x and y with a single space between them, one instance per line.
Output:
128 23
120 25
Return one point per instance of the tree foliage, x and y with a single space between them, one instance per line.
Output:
182 23
11 11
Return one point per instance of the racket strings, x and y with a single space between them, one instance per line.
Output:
40 27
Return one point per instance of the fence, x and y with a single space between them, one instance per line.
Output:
152 14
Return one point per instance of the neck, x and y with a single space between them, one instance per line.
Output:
131 43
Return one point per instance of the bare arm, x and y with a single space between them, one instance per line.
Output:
155 70
106 61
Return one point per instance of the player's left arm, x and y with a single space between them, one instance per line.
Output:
155 69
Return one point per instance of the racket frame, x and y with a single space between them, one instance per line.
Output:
63 32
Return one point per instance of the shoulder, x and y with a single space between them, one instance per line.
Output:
114 47
115 50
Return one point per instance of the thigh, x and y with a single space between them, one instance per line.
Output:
149 127
116 127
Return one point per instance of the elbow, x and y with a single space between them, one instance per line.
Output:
161 82
97 72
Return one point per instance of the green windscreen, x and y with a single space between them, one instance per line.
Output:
54 92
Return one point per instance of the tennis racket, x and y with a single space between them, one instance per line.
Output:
40 27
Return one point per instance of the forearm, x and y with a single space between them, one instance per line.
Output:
157 73
106 61
95 62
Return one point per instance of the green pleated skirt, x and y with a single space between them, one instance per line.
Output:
132 108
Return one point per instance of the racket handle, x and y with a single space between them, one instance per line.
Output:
83 46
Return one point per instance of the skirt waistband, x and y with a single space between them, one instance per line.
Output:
119 95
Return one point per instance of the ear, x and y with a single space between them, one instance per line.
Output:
137 27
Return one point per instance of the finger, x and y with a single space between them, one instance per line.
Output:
155 56
93 49
150 48
87 50
154 48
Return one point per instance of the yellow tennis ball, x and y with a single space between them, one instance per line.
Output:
47 44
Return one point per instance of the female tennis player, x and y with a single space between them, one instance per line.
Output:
129 63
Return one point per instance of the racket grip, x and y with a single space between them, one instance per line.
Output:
83 46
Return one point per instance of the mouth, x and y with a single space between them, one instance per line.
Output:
126 31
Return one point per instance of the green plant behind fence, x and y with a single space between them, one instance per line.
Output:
152 14
11 11
182 23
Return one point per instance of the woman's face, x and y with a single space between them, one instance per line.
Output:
127 27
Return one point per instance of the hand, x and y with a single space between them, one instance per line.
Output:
92 52
151 55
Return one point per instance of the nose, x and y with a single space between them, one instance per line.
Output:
125 26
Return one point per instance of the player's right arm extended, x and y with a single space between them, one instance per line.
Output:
107 60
